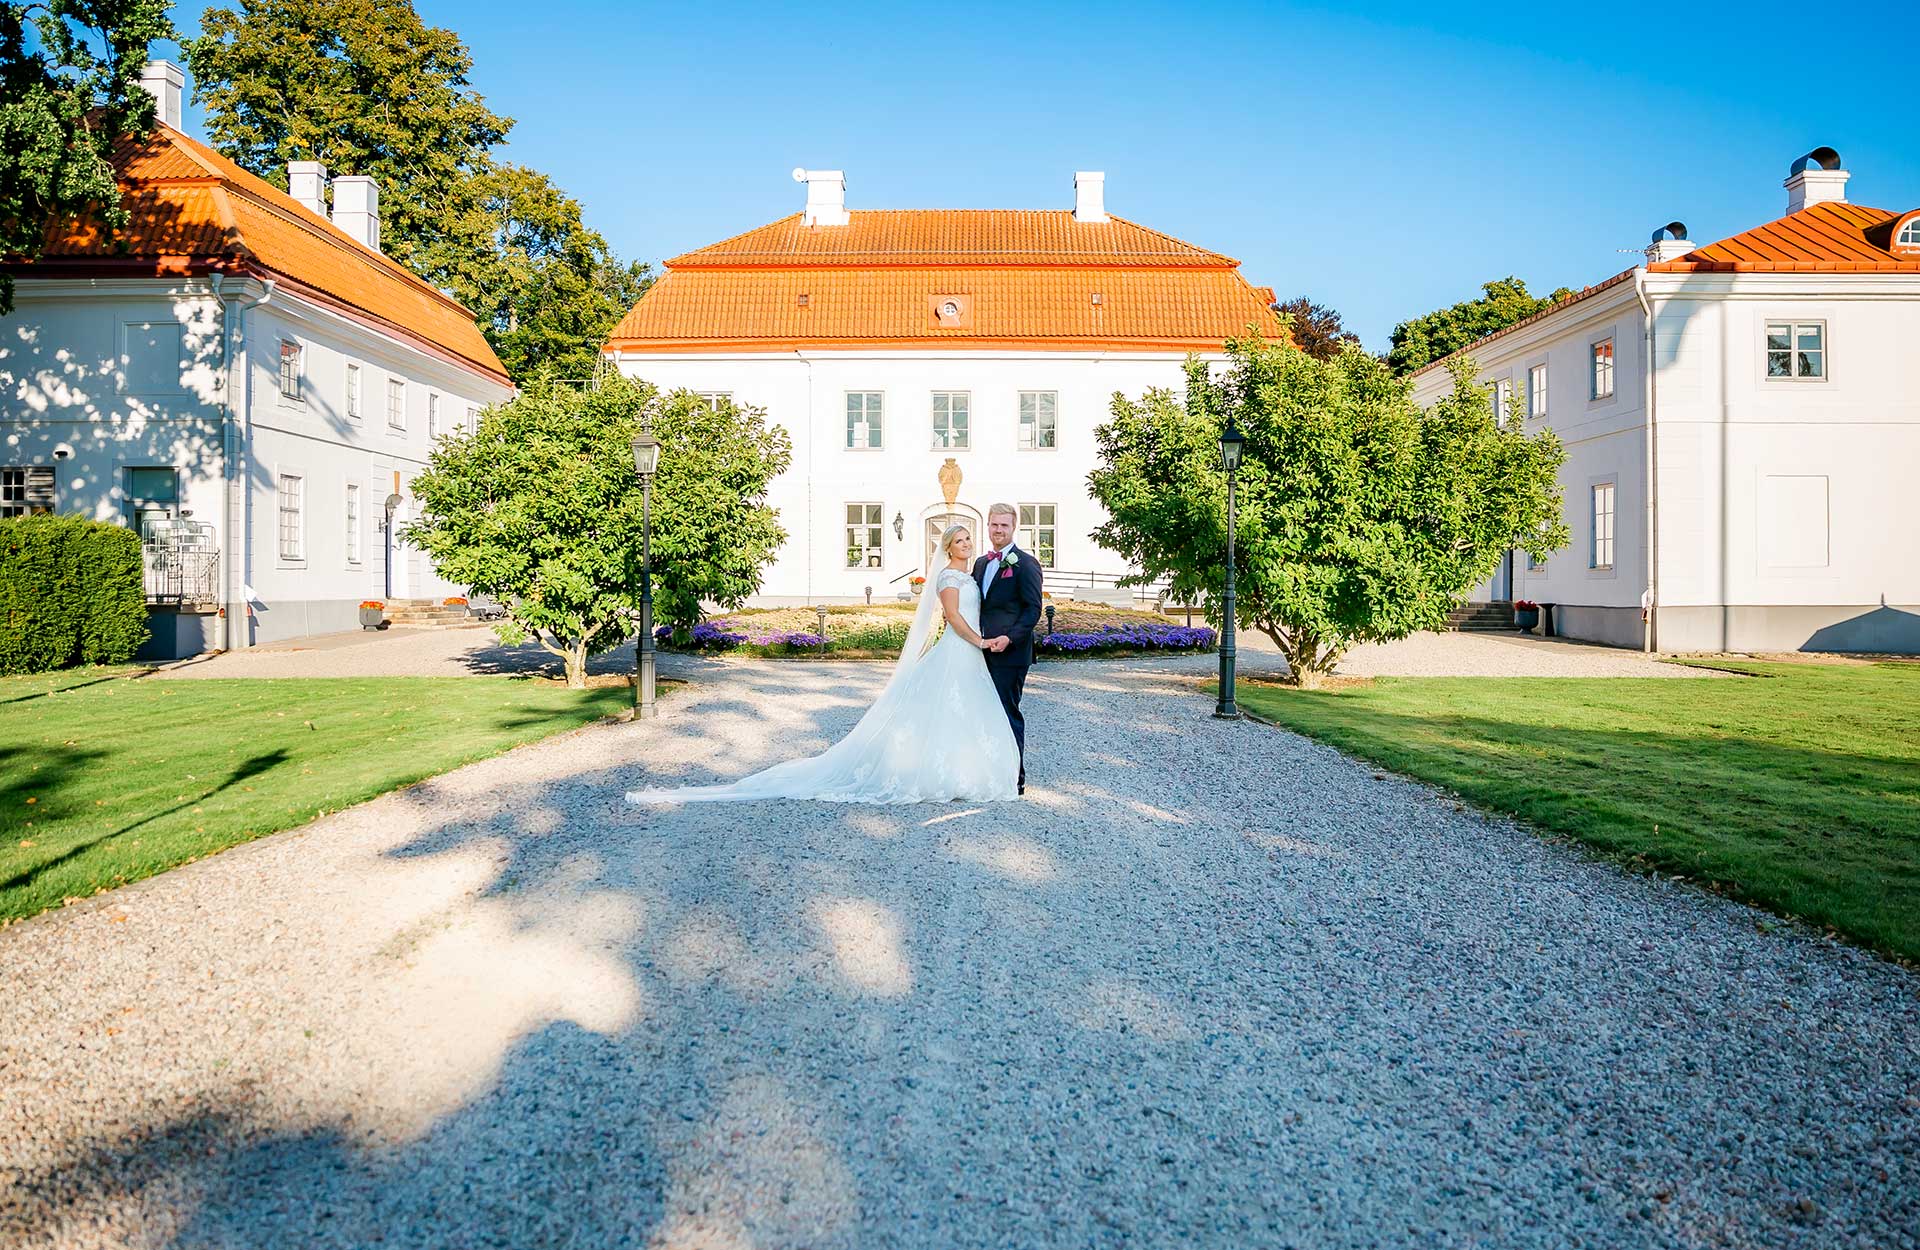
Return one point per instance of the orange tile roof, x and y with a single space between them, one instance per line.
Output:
1823 238
194 211
1026 279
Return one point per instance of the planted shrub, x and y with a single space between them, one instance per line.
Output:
72 592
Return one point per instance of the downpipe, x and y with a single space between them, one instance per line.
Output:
235 430
1650 598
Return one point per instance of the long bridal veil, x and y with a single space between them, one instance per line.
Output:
934 733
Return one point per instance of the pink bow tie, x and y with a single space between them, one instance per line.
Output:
995 553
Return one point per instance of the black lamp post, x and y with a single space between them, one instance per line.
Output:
646 458
1232 443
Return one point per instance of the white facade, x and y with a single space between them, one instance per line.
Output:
102 377
806 393
1782 509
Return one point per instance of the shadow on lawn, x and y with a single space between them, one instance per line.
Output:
67 768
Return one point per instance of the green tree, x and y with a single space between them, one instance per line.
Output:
1316 329
69 90
1423 340
365 87
1360 517
550 289
540 509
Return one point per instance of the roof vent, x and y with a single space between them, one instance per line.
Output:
826 196
1089 196
1669 242
1816 178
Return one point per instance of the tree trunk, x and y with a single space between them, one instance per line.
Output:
576 659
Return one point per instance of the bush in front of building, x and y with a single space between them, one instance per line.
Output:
72 591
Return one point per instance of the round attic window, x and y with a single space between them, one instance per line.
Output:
1907 238
950 308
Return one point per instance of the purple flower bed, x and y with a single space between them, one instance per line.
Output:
1130 638
720 634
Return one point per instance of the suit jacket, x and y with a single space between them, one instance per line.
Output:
1010 606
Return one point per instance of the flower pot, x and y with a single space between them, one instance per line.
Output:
1526 618
372 618
915 587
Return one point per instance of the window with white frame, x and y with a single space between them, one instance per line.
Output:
1537 392
290 360
1535 564
396 403
1602 548
1600 375
1502 399
26 489
1036 531
713 399
473 417
433 414
293 524
353 392
1039 419
1796 349
952 420
865 420
1909 233
353 522
864 536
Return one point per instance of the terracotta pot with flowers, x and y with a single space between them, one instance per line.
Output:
457 603
373 614
1526 614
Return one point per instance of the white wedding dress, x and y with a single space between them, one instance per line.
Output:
936 733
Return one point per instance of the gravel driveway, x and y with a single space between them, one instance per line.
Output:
1211 984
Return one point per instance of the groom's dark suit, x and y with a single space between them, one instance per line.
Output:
1010 605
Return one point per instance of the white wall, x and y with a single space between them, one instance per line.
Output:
1786 512
806 394
129 373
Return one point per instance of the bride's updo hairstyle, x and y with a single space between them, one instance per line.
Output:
946 539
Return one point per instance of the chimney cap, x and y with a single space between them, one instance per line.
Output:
1672 231
1825 158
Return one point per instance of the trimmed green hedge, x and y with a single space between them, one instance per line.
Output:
72 591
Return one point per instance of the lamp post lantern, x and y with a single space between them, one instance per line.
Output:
646 458
1232 443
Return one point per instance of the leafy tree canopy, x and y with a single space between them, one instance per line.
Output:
367 87
1423 340
364 87
1360 517
69 90
1316 328
540 509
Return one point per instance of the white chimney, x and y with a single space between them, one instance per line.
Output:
307 182
1816 178
1089 196
356 209
826 196
1670 242
164 82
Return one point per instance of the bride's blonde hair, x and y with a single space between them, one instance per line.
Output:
946 539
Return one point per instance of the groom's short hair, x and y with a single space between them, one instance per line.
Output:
1003 509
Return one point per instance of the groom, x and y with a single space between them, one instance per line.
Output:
1009 609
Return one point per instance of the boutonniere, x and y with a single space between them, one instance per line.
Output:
1010 559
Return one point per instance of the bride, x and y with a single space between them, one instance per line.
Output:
937 732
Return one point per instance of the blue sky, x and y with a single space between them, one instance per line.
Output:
1386 164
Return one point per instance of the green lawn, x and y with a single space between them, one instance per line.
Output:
107 776
1796 788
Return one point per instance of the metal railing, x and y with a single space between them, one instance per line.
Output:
182 564
1069 580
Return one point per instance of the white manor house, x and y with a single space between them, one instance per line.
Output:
246 380
1742 427
930 363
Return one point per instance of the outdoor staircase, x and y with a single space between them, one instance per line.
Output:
425 612
1482 618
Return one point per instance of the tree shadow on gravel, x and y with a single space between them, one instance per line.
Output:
1176 998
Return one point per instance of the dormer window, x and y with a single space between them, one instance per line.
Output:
1908 238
